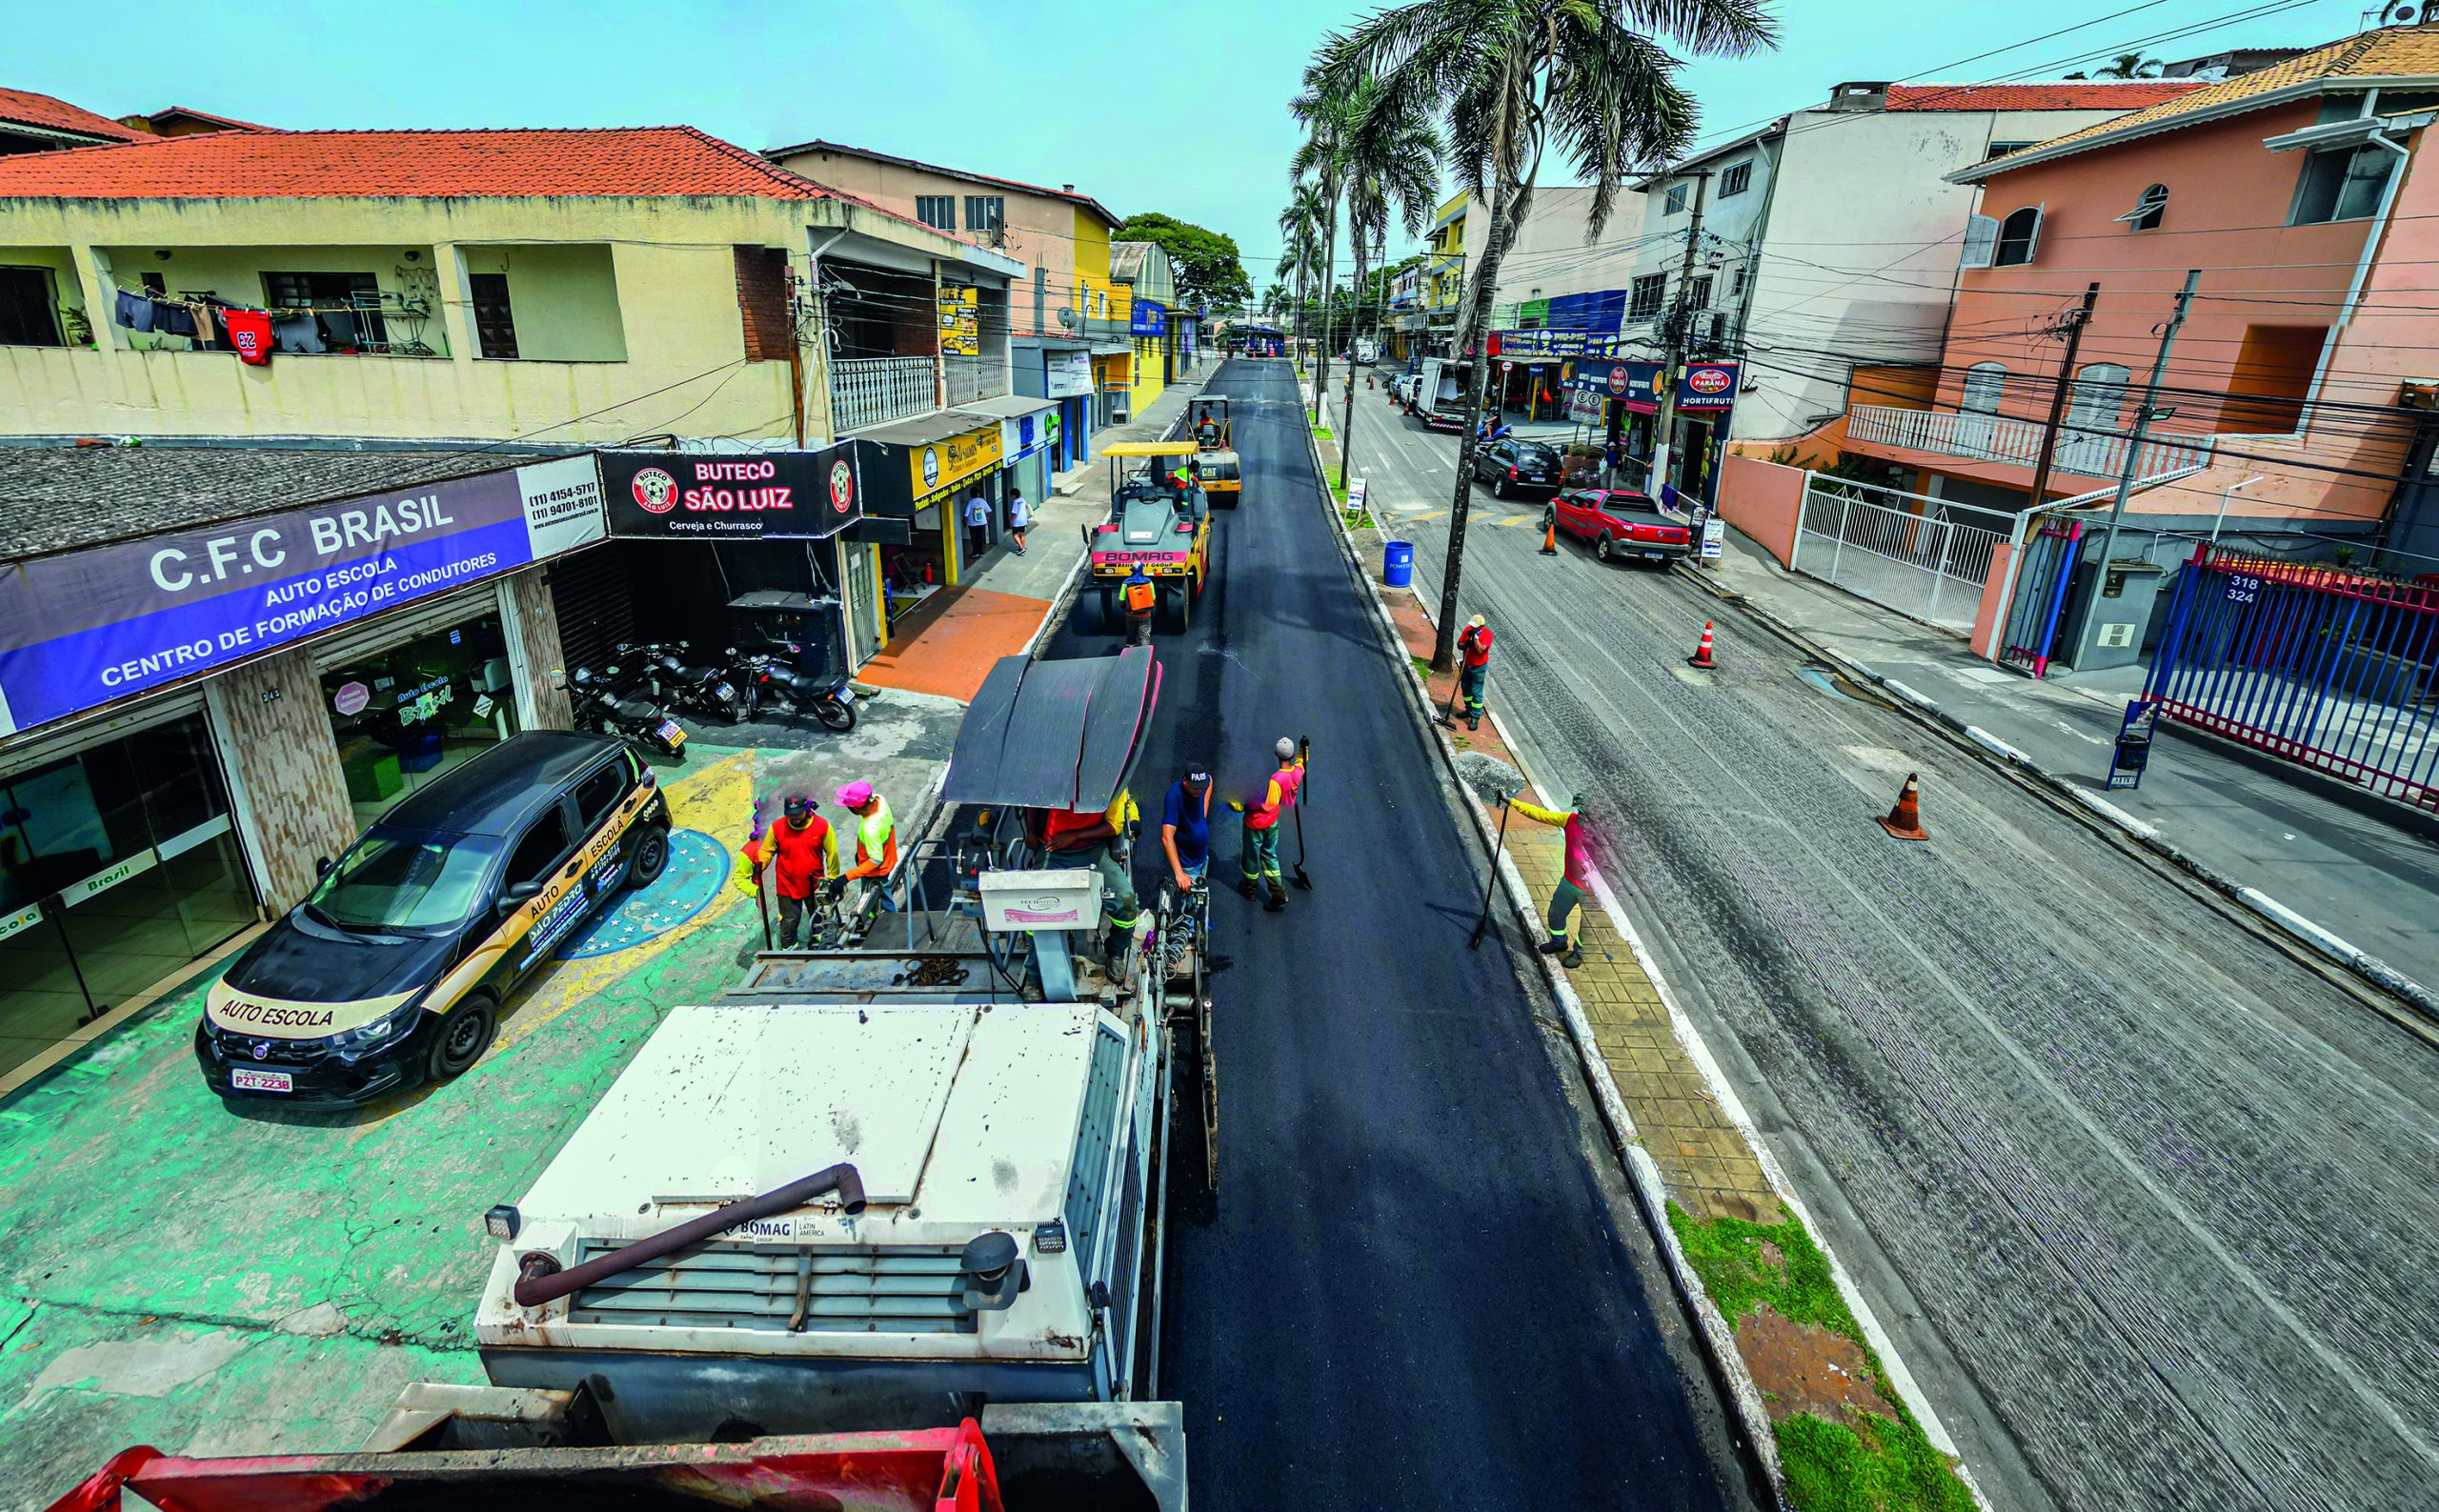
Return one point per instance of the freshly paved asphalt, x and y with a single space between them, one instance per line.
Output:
2145 1204
1421 1283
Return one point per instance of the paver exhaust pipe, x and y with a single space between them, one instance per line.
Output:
541 1282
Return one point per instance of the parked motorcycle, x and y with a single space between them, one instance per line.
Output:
771 680
603 706
708 691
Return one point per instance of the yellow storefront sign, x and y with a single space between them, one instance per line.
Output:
944 464
960 321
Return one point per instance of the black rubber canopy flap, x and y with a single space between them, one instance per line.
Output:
1054 735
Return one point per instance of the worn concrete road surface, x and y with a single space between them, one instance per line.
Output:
1422 1283
2147 1204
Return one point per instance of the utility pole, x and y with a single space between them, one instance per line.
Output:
2143 418
1664 424
2075 323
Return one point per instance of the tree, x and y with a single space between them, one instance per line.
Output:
1388 164
2125 65
1300 234
1273 299
1210 273
1513 79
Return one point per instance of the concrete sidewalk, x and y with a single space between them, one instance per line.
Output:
2363 868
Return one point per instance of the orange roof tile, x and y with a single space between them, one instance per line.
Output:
624 161
194 114
2064 94
2391 52
25 108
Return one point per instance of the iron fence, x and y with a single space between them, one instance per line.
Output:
2326 668
872 390
1925 557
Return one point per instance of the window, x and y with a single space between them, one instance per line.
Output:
1675 204
539 850
2019 235
985 213
2148 209
1699 298
2342 183
27 317
936 211
2003 148
407 880
2272 378
1738 178
598 794
348 306
1645 298
1738 288
494 326
1983 383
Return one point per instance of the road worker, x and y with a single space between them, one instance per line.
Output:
1097 839
1567 897
1206 431
1473 651
1259 857
1140 597
875 836
801 852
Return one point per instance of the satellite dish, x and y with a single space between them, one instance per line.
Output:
1067 316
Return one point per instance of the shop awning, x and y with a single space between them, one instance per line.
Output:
922 430
1009 405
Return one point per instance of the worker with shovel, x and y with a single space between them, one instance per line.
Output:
1259 854
1473 672
1567 897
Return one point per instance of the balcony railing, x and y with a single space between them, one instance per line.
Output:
2004 438
971 378
873 390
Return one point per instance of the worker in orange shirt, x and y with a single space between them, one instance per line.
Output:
1473 648
875 835
801 852
1258 857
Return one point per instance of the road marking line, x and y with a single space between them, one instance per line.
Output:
1514 520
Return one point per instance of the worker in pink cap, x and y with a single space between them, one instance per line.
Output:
876 831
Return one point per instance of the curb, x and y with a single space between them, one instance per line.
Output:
2299 931
1642 1171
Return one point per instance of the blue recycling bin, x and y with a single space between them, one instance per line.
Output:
1397 564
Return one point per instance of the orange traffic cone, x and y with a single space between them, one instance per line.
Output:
1550 538
1905 820
1701 656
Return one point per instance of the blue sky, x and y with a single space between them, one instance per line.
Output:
1130 101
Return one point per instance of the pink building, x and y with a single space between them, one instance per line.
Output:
2295 397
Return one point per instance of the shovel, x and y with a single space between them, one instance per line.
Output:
1493 781
1303 754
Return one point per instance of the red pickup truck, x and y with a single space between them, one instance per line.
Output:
1623 523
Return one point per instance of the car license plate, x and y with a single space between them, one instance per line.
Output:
725 691
670 733
246 1079
1655 556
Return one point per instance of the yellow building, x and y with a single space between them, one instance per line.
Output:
1443 268
579 286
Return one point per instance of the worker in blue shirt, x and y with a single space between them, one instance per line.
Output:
1185 829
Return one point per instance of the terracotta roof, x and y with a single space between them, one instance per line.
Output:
2065 94
2391 52
194 114
642 161
25 108
842 150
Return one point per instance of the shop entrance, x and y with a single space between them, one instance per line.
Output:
118 865
404 714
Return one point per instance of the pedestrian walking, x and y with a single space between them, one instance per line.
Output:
977 525
1566 900
1611 457
802 854
1074 839
1258 858
875 836
1020 516
1473 646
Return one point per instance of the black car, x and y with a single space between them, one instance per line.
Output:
1510 466
392 971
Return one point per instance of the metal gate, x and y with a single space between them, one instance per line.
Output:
1922 556
2326 668
2042 580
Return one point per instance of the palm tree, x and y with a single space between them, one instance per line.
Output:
2125 65
1514 78
1389 164
1300 229
1328 116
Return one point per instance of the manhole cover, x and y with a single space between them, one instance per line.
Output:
1822 679
698 866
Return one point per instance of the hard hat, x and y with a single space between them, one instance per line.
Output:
1475 623
797 806
855 795
1286 748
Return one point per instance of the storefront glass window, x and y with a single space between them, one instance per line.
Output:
404 716
118 865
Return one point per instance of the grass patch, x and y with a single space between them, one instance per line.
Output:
1321 433
1421 667
1358 520
1889 1466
